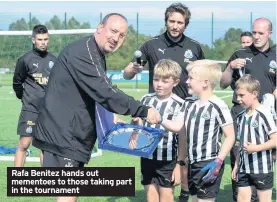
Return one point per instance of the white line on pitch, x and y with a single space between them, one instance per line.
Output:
226 96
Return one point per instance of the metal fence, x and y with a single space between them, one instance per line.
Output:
205 30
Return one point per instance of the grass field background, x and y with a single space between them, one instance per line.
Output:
9 112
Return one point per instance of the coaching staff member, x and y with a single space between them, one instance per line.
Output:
174 45
66 129
29 83
246 39
258 60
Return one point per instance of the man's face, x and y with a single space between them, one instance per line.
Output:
112 34
246 41
175 24
261 34
41 41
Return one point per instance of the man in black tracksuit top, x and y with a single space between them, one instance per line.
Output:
66 123
29 82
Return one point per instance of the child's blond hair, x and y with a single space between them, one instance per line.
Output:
206 69
249 82
166 68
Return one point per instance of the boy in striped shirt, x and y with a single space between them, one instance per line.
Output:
257 134
206 119
161 172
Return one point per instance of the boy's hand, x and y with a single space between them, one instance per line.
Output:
213 168
137 121
249 147
176 175
234 172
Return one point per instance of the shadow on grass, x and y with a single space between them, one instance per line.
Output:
140 197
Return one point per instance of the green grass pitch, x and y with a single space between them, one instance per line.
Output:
9 112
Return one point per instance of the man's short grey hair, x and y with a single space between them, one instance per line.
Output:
105 19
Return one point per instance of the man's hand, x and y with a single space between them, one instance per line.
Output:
176 175
116 119
153 116
249 147
213 169
137 68
237 63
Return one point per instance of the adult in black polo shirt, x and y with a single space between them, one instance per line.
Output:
174 45
258 60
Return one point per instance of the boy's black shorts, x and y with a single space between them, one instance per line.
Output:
208 190
157 172
54 160
262 181
26 123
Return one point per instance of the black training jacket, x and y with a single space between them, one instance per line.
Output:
31 77
66 122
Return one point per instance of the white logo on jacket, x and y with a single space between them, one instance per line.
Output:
161 50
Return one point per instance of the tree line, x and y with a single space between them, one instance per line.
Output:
15 46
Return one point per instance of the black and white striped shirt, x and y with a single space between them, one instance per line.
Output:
255 128
170 110
204 127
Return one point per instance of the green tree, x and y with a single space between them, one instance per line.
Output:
85 25
19 25
73 24
55 23
35 22
233 35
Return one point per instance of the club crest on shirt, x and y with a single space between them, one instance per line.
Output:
170 111
272 64
51 64
255 124
188 54
206 116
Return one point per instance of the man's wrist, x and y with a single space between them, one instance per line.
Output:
230 67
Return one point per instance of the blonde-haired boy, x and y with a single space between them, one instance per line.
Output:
207 118
161 172
257 134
